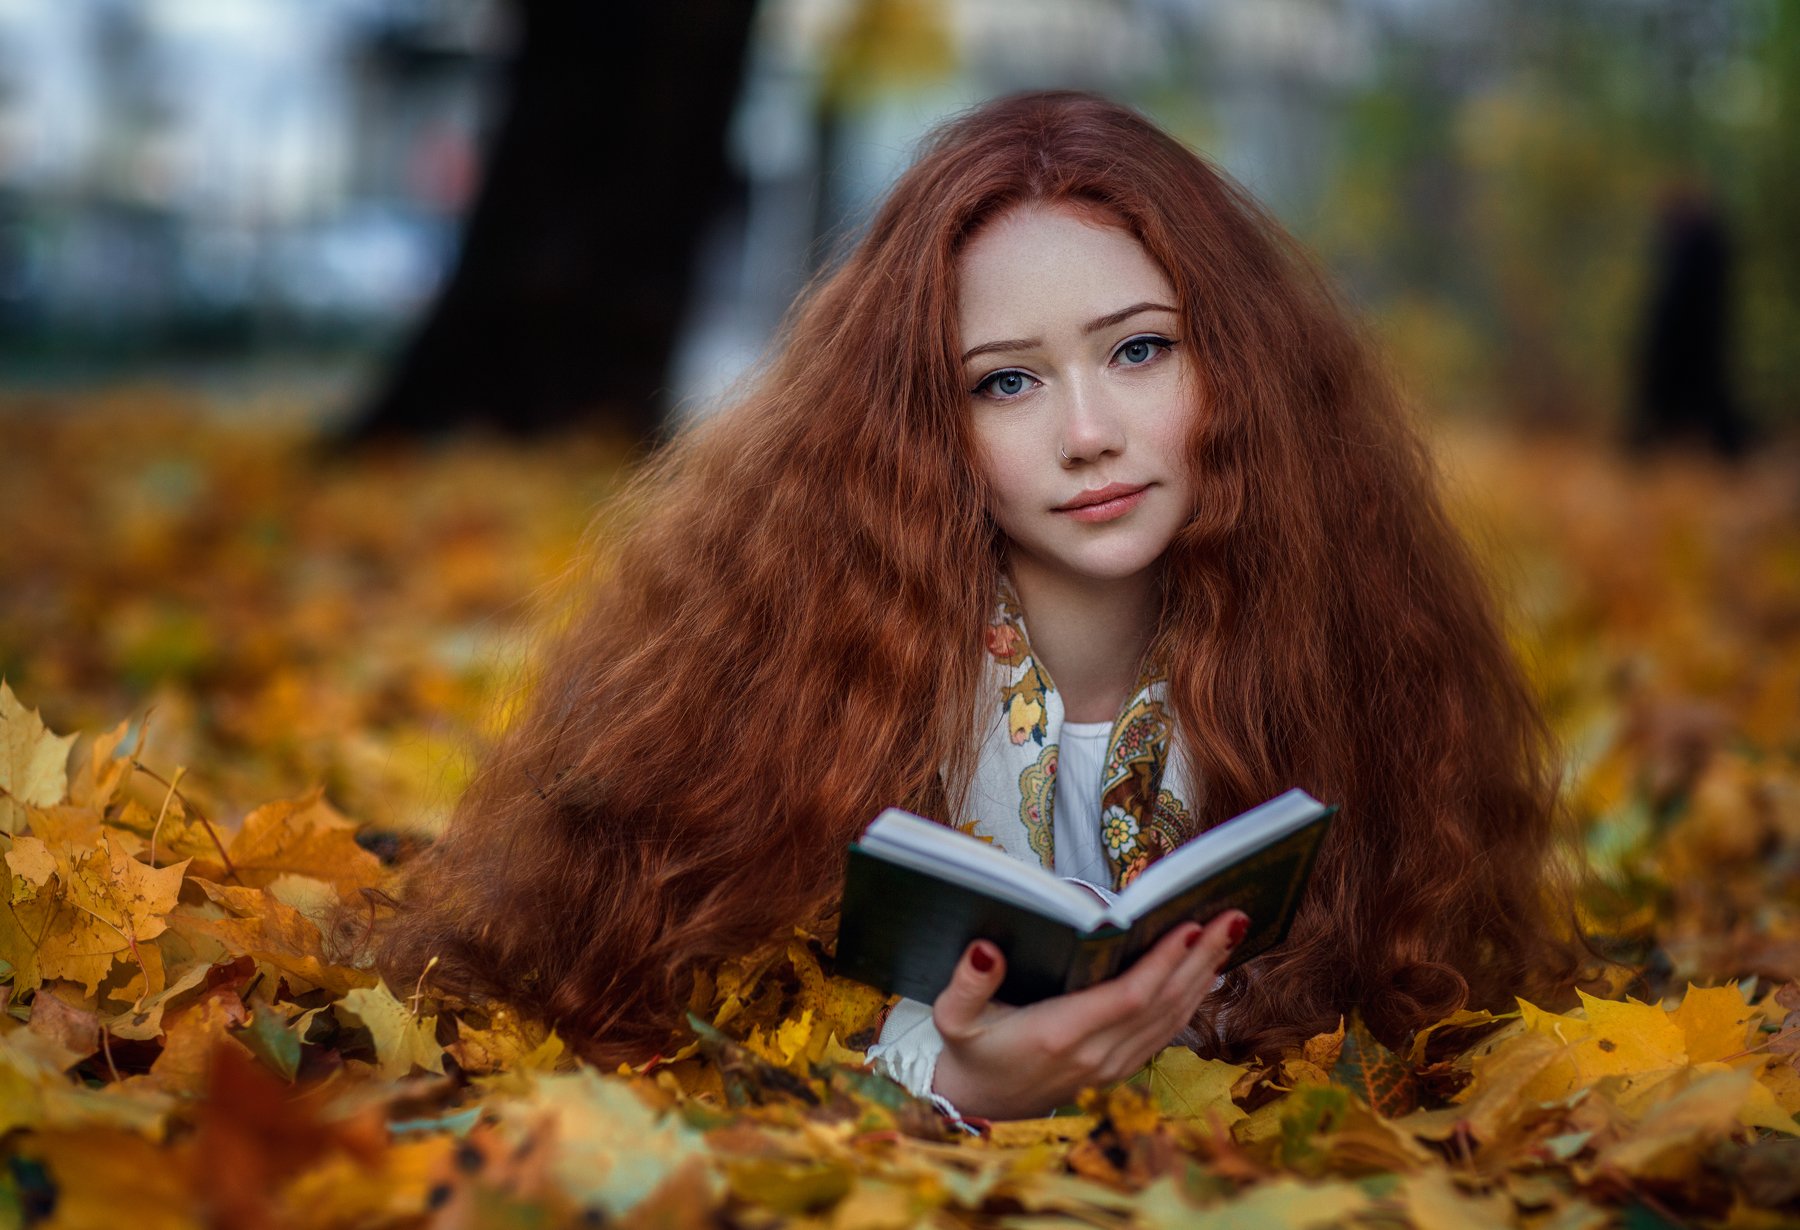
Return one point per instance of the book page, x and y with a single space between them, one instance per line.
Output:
906 839
1213 850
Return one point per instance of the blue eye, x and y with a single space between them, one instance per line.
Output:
1138 351
1004 385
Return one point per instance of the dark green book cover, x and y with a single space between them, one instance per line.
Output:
903 930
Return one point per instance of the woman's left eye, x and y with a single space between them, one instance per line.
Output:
1137 351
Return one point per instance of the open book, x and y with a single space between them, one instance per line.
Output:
917 893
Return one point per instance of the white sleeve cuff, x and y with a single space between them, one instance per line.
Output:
908 1047
908 1051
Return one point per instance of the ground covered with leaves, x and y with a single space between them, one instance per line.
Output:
242 681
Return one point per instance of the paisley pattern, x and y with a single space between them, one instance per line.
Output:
1145 801
1037 791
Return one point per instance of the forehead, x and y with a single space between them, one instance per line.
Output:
1039 266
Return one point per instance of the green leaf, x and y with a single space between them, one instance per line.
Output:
271 1040
1374 1073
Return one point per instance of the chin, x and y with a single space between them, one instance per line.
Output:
1114 568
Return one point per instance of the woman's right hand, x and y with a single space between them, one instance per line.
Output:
1003 1062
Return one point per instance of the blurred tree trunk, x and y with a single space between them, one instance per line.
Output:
1684 387
608 160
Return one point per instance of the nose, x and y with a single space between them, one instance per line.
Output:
1092 427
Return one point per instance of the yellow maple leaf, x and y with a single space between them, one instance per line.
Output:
129 896
1186 1086
1627 1039
510 1042
1322 1050
64 826
402 1041
789 1044
100 904
33 762
1714 1021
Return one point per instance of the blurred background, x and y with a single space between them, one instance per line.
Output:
407 215
326 326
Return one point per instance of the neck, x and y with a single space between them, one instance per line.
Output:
1090 637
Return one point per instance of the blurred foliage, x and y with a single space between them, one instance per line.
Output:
884 46
185 1040
282 618
1494 198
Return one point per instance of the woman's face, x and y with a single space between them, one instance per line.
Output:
1079 389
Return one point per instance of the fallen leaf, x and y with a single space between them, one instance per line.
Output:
74 1029
609 1151
33 762
402 1041
1714 1022
101 771
302 837
1186 1086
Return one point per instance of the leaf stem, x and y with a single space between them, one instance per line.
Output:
106 1049
419 987
169 794
199 815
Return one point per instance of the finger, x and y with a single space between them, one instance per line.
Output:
1160 985
1120 1004
976 978
1220 937
1191 981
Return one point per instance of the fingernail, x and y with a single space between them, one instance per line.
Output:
1192 939
981 960
1239 925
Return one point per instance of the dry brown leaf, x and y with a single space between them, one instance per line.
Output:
302 837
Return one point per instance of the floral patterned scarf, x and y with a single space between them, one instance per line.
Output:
1145 799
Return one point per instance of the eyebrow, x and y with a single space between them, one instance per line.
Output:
1093 326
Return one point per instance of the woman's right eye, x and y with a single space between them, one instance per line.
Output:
1004 385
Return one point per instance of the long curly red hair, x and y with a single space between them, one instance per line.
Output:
788 638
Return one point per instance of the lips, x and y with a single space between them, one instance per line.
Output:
1105 504
1101 495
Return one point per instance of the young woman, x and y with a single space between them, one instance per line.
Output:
1073 507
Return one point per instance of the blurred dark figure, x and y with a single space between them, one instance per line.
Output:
1683 389
608 161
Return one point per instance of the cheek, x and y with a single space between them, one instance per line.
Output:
999 460
1176 429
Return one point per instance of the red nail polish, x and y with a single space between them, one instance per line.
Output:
981 960
1192 939
1239 925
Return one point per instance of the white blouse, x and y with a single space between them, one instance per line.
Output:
909 1045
